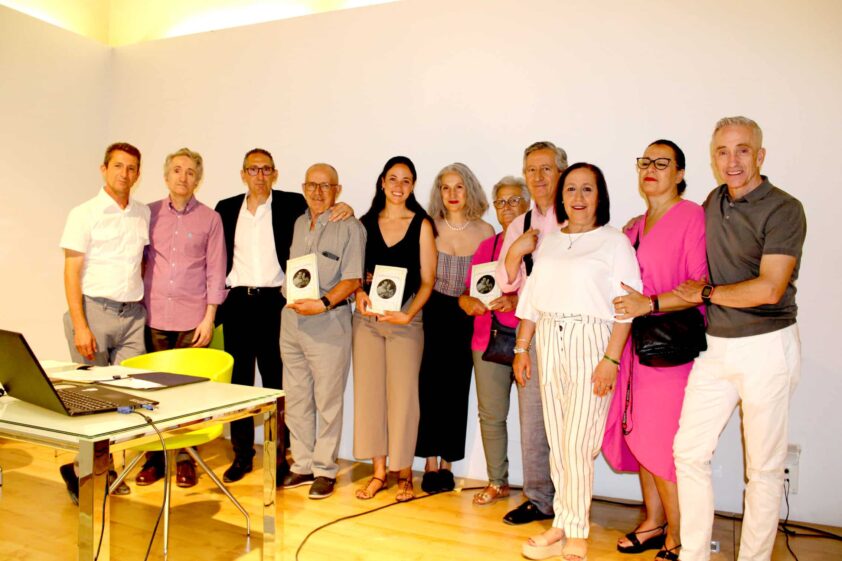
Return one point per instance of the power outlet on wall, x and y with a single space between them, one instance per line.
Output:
793 456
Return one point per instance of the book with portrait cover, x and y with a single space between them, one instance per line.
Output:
484 286
387 286
302 278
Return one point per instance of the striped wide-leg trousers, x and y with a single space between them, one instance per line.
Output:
569 348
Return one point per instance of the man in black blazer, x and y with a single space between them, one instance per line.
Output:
258 232
258 228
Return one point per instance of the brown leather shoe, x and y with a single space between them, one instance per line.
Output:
185 473
149 475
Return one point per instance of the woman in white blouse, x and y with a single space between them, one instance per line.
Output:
567 305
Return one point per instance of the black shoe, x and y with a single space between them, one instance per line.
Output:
656 539
446 481
238 470
525 513
430 482
71 481
293 480
322 487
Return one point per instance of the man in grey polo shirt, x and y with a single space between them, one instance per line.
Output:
755 233
316 335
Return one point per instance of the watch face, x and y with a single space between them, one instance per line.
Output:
706 291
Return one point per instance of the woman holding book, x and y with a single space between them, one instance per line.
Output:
493 380
387 346
457 204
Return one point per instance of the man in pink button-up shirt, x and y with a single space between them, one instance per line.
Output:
184 278
543 163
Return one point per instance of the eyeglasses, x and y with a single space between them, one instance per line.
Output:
311 187
660 163
265 170
511 201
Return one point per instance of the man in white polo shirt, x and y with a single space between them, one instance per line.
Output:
103 243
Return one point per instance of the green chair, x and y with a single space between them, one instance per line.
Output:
213 364
217 342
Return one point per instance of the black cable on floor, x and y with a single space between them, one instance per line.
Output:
102 518
784 526
786 519
379 508
151 423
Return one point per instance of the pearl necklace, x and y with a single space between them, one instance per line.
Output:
457 228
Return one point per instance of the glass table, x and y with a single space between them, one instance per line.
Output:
95 437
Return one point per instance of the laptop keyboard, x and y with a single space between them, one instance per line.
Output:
78 401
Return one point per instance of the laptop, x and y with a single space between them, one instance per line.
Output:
23 378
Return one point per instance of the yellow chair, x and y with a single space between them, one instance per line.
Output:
217 342
213 364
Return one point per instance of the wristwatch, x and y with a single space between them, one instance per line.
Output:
327 303
707 292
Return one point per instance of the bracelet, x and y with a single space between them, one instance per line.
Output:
651 305
656 303
611 360
520 350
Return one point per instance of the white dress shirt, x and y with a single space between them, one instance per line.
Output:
255 258
579 274
112 240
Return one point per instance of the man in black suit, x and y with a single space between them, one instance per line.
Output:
258 228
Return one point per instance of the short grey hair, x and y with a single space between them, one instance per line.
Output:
740 121
195 156
475 202
511 181
560 154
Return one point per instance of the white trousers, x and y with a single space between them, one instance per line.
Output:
569 348
761 372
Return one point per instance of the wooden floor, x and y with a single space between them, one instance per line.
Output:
38 522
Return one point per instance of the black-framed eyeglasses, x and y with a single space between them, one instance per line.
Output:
511 201
265 170
660 163
311 186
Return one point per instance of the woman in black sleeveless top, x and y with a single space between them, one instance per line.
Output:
388 347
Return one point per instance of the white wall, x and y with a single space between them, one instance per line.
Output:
53 93
476 82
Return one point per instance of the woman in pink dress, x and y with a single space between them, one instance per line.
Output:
670 242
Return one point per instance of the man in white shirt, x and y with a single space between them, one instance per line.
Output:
103 243
543 163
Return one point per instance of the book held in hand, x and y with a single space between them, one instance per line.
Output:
387 286
302 278
484 286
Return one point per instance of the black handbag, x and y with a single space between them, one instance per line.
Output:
669 339
501 343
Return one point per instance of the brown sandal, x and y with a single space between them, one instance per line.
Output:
491 493
363 493
405 490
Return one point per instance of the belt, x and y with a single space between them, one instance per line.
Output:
257 290
340 304
107 303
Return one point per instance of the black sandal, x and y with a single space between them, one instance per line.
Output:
669 553
364 494
655 542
